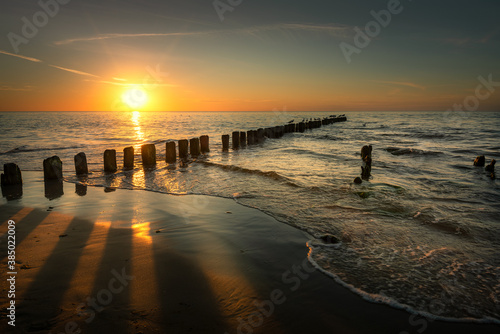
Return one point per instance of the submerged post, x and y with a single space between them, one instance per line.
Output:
52 168
205 147
81 167
225 142
236 140
148 153
128 157
110 161
183 148
170 155
194 147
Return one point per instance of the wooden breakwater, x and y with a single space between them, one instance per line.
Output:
194 147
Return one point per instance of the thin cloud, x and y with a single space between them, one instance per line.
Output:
468 40
115 36
22 57
14 89
331 29
74 71
122 84
399 83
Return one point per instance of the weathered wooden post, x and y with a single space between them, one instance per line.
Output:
225 142
53 177
148 153
11 175
170 155
243 138
260 135
52 168
250 139
81 166
183 148
236 140
128 157
110 161
194 147
204 141
366 155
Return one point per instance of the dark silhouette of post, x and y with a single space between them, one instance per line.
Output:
170 156
128 157
250 137
194 147
148 153
236 140
12 182
11 175
225 142
81 167
204 142
52 168
183 148
110 161
243 138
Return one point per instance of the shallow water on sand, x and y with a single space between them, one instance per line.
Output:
423 232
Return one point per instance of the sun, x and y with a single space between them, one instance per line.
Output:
135 98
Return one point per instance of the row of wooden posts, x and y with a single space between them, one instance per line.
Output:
52 166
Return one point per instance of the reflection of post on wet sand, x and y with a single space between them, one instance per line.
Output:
80 189
12 191
53 189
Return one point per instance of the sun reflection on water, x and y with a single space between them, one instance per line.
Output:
136 121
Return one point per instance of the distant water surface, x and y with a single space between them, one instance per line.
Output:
424 232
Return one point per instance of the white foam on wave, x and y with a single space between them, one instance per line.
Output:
381 299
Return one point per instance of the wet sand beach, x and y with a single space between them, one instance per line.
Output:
143 262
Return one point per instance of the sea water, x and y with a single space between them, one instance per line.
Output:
423 232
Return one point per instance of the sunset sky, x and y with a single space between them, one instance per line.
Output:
263 55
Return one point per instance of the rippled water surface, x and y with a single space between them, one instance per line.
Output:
423 232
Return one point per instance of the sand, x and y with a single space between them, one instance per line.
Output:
123 261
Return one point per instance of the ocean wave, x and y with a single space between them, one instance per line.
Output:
270 174
329 137
23 149
382 298
410 151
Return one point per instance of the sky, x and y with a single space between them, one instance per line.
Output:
242 55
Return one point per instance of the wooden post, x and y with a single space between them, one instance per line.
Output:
11 175
148 153
260 135
243 138
236 140
225 142
110 161
81 167
128 157
183 148
52 168
170 155
204 141
250 137
194 147
301 127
